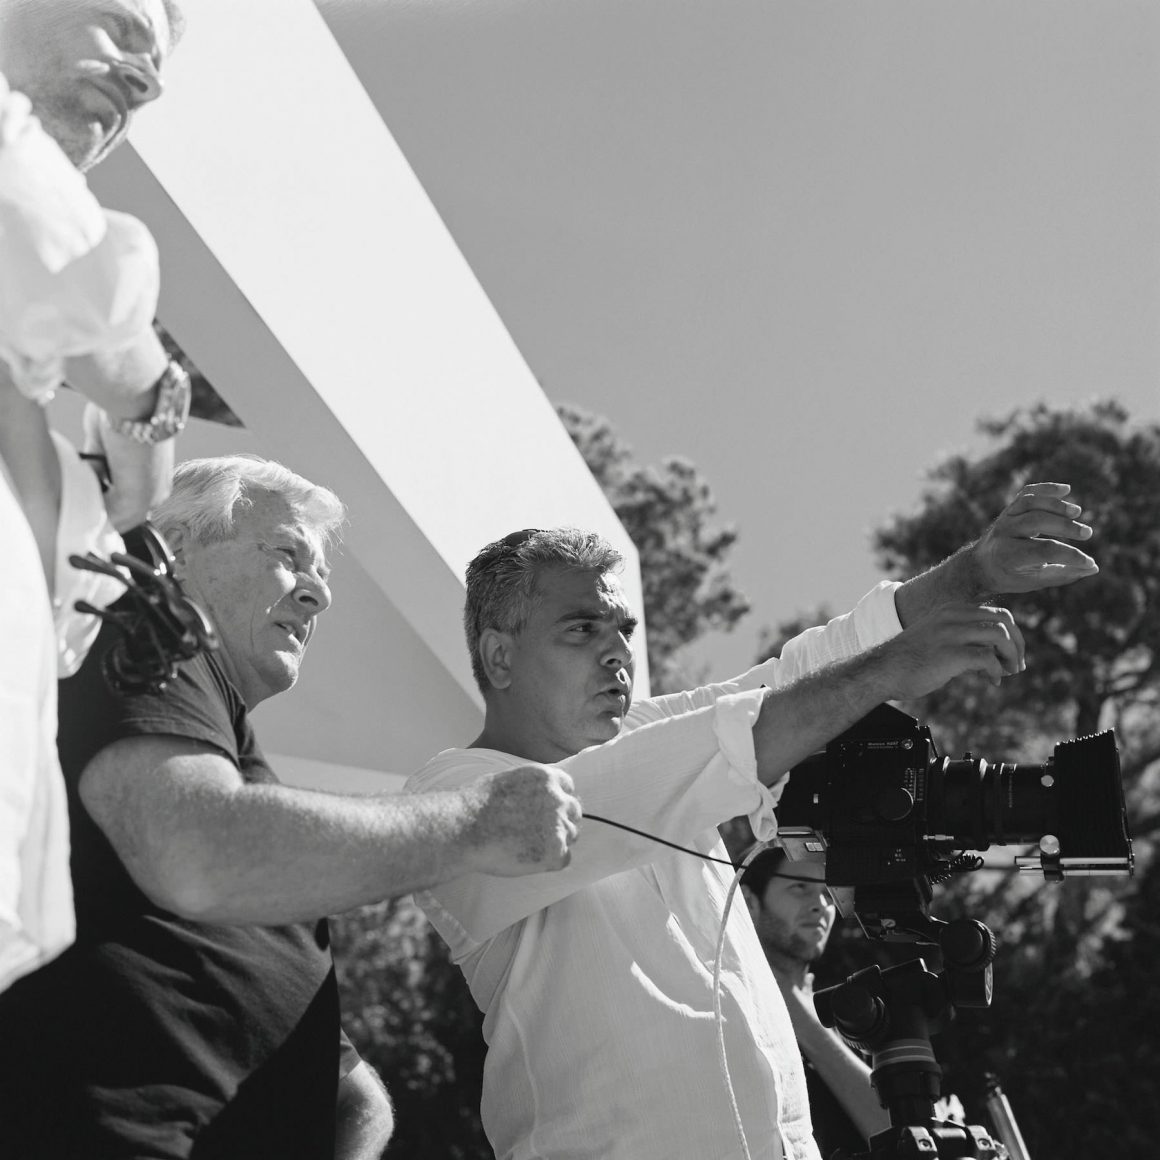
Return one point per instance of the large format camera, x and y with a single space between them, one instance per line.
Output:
893 817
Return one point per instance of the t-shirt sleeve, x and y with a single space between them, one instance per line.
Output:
197 704
348 1056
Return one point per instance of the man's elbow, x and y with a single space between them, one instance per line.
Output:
185 885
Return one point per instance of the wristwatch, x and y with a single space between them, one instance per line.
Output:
169 413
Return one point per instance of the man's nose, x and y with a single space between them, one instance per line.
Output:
618 654
822 901
139 78
313 593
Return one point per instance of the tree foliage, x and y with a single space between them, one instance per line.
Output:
667 512
1073 978
408 1011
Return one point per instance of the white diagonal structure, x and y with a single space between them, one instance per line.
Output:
307 274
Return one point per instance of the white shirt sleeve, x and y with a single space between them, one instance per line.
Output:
73 278
675 779
684 764
873 620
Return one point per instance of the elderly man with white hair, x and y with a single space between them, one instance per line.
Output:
197 1014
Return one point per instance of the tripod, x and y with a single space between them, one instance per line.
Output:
891 1015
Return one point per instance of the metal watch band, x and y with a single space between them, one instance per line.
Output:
170 413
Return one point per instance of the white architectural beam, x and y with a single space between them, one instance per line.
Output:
308 275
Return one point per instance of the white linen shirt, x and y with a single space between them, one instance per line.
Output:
596 981
72 279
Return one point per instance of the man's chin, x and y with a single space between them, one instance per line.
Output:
602 736
284 673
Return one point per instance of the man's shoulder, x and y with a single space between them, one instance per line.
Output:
198 703
456 767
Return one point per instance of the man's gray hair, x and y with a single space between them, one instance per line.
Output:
502 579
208 492
176 18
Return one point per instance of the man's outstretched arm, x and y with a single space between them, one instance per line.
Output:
802 718
204 844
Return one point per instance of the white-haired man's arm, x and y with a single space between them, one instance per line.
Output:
364 1117
203 843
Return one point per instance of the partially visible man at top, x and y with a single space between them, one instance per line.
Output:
78 291
197 1014
597 983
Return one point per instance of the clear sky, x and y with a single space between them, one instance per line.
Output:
805 245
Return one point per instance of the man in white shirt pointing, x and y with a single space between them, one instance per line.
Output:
596 982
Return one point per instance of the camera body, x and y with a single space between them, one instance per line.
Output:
892 817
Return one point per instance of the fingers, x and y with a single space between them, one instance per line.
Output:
1046 518
1049 563
992 643
1025 548
1057 490
957 639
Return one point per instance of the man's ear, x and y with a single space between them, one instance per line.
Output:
175 542
495 654
752 902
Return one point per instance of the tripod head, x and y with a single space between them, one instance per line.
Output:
891 1015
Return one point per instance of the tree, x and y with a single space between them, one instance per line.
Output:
408 1011
1070 990
406 1006
666 510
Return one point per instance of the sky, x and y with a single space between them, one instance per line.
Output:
805 245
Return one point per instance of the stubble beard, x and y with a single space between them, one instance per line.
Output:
780 937
66 120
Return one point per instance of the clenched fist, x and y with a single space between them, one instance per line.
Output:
526 821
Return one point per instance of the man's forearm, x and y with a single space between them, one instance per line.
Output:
282 854
121 382
804 717
847 1077
956 638
141 475
204 844
364 1116
958 577
201 842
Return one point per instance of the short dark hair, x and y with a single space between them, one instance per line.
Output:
768 864
501 580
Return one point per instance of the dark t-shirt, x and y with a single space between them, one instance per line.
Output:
833 1127
153 1036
